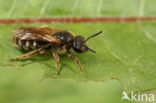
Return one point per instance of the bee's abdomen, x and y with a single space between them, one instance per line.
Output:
27 44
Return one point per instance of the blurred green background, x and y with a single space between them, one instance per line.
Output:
116 67
76 8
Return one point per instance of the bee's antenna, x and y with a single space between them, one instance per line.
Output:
91 50
93 35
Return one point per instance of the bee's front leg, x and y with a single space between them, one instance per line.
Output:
56 57
75 59
29 54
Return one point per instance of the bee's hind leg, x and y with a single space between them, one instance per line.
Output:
56 57
29 54
75 59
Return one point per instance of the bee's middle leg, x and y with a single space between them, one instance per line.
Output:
56 57
29 54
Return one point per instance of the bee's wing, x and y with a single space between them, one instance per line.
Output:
37 34
53 31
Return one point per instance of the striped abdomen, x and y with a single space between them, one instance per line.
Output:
27 44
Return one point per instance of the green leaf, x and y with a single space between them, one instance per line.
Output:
124 53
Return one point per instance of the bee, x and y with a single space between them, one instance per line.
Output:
39 40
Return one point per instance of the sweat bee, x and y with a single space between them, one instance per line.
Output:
39 40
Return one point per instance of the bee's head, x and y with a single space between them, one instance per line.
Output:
79 44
